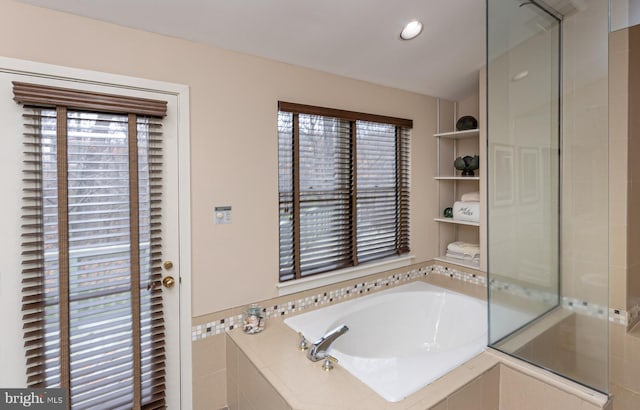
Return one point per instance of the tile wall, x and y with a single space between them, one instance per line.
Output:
624 364
624 278
633 175
499 387
522 392
256 392
483 393
618 148
624 146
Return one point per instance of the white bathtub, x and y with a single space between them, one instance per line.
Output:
401 339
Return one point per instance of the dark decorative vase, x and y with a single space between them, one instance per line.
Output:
467 165
448 212
466 122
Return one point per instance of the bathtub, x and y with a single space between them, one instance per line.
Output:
401 339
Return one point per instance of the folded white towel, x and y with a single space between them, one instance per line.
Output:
470 197
466 211
458 256
464 248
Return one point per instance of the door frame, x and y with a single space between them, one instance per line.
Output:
43 70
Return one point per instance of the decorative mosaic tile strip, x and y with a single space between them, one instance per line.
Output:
618 317
298 305
523 292
585 308
459 275
334 296
573 304
634 314
591 309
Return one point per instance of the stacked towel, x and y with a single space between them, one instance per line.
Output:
463 251
468 208
471 197
466 211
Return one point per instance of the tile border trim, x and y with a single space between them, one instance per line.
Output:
295 305
584 307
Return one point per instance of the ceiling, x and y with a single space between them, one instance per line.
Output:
353 38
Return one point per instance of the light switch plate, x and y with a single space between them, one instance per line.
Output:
222 215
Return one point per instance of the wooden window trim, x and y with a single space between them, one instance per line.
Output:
296 196
342 114
46 96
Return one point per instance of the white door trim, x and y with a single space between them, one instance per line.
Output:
24 67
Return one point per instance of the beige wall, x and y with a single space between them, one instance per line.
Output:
469 106
233 136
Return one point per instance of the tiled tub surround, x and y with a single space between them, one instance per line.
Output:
209 344
267 372
210 367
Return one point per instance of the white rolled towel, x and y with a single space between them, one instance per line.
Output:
470 197
466 211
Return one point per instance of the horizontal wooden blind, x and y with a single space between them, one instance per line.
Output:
152 328
79 295
324 195
39 240
403 144
285 194
382 188
343 188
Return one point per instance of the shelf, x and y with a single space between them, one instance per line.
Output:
454 261
457 178
458 134
456 222
450 184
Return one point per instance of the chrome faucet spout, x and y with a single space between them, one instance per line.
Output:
318 349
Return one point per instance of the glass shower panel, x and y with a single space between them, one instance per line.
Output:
523 120
547 184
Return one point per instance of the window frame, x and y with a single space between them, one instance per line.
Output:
402 174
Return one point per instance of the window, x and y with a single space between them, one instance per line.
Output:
92 303
343 188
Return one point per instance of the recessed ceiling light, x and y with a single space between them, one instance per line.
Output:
411 30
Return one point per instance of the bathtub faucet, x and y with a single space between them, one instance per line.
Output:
318 349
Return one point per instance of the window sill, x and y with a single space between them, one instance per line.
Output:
329 278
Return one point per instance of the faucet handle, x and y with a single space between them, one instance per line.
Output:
329 360
303 344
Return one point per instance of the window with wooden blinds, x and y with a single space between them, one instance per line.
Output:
343 188
92 300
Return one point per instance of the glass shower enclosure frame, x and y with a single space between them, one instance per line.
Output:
547 185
